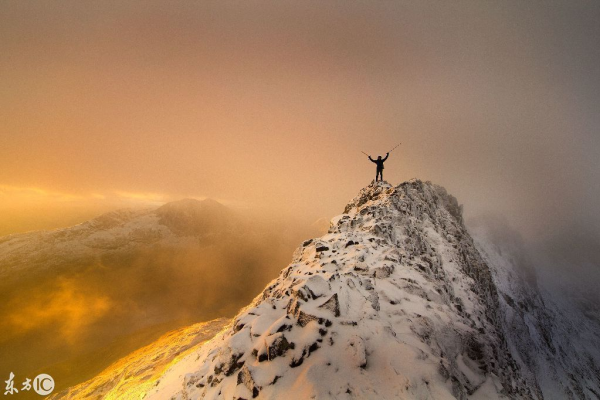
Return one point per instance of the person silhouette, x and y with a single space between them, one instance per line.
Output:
379 162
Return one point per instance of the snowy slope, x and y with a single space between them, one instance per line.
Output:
139 371
394 302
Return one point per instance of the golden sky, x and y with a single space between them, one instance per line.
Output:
268 104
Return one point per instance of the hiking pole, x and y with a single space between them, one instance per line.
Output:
365 153
395 147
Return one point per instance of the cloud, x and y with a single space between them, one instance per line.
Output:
69 308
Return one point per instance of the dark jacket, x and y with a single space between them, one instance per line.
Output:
380 162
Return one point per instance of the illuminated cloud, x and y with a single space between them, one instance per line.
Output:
71 307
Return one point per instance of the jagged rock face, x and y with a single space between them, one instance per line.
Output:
555 343
394 302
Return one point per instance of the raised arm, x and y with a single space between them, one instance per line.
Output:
372 160
386 156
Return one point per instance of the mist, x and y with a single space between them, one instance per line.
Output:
266 106
564 264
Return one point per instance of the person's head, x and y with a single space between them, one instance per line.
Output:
379 157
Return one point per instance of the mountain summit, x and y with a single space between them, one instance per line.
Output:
395 301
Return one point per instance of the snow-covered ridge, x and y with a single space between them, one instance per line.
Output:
394 302
176 223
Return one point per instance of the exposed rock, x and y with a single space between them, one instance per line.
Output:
245 378
304 318
278 346
383 272
332 305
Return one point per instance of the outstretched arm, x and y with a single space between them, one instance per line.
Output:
386 156
372 159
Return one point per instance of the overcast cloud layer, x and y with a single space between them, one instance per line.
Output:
268 105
